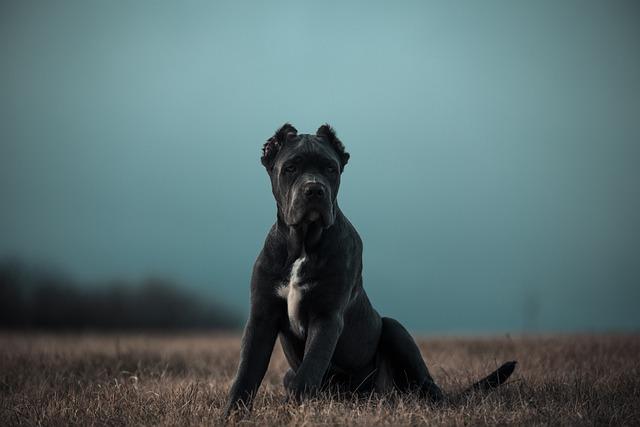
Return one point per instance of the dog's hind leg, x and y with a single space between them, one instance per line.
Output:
288 377
405 361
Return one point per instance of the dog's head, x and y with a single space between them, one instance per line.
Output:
305 173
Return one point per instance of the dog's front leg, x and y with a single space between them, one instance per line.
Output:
322 337
257 345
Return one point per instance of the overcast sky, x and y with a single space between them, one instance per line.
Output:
495 147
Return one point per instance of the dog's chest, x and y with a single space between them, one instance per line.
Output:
293 291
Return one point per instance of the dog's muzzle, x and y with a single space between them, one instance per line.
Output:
311 202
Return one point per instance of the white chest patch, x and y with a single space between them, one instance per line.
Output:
293 292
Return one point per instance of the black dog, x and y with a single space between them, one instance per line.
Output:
307 288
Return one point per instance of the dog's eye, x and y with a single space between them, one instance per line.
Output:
331 169
290 168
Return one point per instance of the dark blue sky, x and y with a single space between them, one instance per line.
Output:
495 147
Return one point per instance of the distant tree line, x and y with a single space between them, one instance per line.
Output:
43 299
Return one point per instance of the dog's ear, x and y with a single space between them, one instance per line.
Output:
274 144
326 131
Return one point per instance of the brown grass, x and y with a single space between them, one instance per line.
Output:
178 380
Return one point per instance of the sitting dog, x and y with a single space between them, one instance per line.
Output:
306 287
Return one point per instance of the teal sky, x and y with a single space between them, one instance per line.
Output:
495 147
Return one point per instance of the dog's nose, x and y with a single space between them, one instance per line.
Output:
314 190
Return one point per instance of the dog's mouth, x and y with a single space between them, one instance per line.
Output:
312 216
315 217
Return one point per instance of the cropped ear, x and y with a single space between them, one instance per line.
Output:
326 131
273 145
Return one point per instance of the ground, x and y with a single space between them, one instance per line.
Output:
117 379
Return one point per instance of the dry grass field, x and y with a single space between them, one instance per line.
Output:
115 379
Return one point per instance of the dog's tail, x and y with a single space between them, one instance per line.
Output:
495 378
433 393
